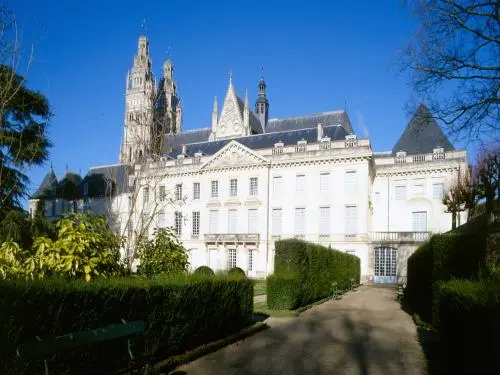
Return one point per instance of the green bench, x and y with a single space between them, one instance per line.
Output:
43 348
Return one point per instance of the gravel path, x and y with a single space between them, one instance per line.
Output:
364 333
261 298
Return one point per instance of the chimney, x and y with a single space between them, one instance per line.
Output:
320 131
184 149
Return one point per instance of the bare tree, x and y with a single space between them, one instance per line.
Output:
459 195
454 61
486 176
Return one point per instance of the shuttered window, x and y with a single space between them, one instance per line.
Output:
277 185
252 221
232 221
300 183
324 221
351 181
351 220
213 220
300 221
324 182
276 225
419 221
437 191
400 192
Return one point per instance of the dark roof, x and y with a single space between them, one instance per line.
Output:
101 179
267 140
186 137
422 134
310 121
67 188
255 125
47 187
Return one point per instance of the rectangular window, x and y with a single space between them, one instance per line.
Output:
160 219
250 260
178 192
196 223
351 220
145 194
419 221
233 187
277 184
178 223
231 258
213 220
400 192
324 182
277 222
162 195
324 221
437 191
419 187
300 221
300 183
252 221
232 221
215 189
196 190
254 187
351 181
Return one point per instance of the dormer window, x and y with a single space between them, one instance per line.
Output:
438 153
197 158
278 148
180 159
325 143
400 157
301 146
351 140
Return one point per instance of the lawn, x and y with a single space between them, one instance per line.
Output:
259 287
260 308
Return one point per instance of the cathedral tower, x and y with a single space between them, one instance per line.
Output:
139 106
262 104
168 107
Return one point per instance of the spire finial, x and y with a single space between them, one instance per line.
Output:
144 26
262 72
230 77
66 167
246 97
215 104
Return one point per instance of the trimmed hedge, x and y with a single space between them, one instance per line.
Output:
470 326
236 272
444 257
304 273
179 313
204 271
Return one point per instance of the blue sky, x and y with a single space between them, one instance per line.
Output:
317 56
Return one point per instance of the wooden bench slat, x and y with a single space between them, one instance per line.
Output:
48 346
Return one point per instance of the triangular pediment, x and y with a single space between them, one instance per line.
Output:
234 154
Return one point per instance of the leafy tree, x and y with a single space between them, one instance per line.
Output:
454 61
12 260
162 255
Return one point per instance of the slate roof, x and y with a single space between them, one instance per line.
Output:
310 121
422 135
47 187
255 125
97 179
67 188
186 137
259 141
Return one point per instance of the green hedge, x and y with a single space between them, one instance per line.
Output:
313 268
179 314
236 272
204 271
470 326
445 256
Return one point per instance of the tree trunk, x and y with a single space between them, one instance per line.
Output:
453 220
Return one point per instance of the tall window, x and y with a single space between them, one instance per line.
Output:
351 181
277 185
215 189
145 194
324 182
250 260
213 219
419 221
233 187
252 221
276 222
437 191
178 192
196 223
400 192
161 193
160 219
324 221
300 183
231 258
351 220
178 223
254 187
300 221
232 221
196 190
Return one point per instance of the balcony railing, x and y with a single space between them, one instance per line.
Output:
231 237
400 236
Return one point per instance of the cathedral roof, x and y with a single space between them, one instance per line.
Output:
422 134
175 141
255 125
259 141
301 122
47 187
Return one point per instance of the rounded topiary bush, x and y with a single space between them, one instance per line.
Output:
236 272
203 271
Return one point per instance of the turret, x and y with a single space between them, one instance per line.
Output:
215 116
262 104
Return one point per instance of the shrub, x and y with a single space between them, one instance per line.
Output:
418 291
283 292
470 326
203 271
180 313
314 267
236 272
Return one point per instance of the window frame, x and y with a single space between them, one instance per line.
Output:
214 189
253 186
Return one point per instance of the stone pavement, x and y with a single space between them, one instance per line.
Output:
364 333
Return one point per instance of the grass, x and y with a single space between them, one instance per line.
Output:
260 308
259 287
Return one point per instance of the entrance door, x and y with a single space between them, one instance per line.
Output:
385 265
213 264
